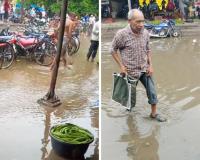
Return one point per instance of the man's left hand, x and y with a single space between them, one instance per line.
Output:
150 70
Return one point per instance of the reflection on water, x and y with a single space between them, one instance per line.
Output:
134 135
25 124
138 145
45 140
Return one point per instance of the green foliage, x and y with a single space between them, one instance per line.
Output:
84 6
55 7
77 6
155 22
18 11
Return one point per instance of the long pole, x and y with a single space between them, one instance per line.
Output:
59 46
50 98
129 5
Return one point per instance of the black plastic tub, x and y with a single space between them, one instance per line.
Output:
67 150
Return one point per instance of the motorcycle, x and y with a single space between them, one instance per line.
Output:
5 32
6 51
165 29
15 18
37 46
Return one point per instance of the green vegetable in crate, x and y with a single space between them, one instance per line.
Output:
72 134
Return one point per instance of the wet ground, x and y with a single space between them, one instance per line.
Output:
134 136
24 124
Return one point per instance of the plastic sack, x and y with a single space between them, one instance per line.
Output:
124 90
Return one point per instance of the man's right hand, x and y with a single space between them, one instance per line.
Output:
123 69
116 57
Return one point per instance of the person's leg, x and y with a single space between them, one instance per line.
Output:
63 54
95 48
64 51
2 17
90 50
148 83
133 92
63 57
6 16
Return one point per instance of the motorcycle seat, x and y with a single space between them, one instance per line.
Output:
27 41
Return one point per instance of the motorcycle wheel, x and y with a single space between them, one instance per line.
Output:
176 33
7 55
163 33
77 41
45 53
75 46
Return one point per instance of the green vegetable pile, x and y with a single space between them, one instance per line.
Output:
71 134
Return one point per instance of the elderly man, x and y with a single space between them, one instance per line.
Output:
135 56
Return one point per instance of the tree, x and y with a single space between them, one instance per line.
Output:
84 6
77 6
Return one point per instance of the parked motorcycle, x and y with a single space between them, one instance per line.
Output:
7 53
15 18
5 32
36 45
166 28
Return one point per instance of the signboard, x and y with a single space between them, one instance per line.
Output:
159 2
104 2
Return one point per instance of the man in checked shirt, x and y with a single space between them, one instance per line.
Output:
135 56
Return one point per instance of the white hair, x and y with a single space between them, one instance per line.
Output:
132 12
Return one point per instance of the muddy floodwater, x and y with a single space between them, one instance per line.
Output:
134 136
24 124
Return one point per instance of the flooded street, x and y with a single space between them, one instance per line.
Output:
24 124
134 136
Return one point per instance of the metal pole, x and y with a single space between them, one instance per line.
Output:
129 5
50 98
110 6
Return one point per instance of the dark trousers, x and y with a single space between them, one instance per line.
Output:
1 16
6 15
93 49
148 83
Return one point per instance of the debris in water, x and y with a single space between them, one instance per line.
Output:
147 144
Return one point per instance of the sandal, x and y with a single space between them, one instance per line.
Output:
158 117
